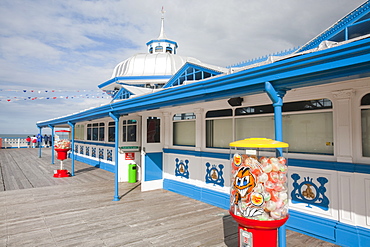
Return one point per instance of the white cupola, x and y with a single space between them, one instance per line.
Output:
162 44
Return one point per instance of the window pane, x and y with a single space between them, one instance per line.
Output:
366 99
184 116
184 133
219 133
365 130
153 130
124 133
219 113
95 134
254 127
309 133
101 134
88 134
131 133
111 134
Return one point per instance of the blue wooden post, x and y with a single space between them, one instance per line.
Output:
72 147
277 100
52 144
116 139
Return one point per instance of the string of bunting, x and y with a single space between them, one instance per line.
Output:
9 95
45 91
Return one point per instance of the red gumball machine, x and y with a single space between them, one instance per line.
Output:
62 148
259 194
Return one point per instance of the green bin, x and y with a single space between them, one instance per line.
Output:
132 173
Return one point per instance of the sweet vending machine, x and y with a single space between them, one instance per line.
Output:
259 193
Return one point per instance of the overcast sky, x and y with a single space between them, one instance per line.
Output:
73 45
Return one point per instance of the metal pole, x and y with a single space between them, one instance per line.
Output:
52 144
72 147
116 120
277 100
40 132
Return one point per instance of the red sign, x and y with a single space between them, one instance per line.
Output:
129 156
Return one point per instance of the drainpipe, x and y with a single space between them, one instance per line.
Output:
52 144
277 102
116 140
41 142
72 148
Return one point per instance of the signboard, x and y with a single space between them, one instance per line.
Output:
129 156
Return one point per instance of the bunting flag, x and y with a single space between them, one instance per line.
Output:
10 95
45 91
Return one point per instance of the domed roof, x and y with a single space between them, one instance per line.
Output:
146 64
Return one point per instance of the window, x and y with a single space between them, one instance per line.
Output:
365 125
101 132
159 48
88 132
168 49
309 132
219 133
184 129
95 132
79 131
219 113
111 132
262 126
129 131
153 134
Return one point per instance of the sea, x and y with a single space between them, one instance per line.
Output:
16 136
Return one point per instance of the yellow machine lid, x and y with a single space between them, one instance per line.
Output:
259 143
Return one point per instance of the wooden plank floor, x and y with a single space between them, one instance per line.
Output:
39 210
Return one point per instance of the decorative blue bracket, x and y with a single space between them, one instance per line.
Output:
214 175
182 168
308 192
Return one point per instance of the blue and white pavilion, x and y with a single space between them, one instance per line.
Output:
174 117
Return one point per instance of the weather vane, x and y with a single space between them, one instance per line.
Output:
163 11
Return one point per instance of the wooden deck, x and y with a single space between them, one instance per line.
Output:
39 210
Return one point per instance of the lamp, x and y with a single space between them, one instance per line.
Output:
235 101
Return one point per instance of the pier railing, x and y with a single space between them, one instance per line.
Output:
13 143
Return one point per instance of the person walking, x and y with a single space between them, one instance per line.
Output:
28 140
39 140
50 141
46 140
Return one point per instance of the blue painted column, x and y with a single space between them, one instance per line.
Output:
72 147
277 100
52 144
40 132
116 143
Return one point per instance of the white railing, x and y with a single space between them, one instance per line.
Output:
14 143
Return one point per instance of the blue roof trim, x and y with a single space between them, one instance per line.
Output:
303 70
186 66
162 40
123 78
353 16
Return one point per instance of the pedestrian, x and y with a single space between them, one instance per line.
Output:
50 141
39 140
28 140
33 140
46 140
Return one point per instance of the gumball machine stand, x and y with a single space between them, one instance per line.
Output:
259 195
62 148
